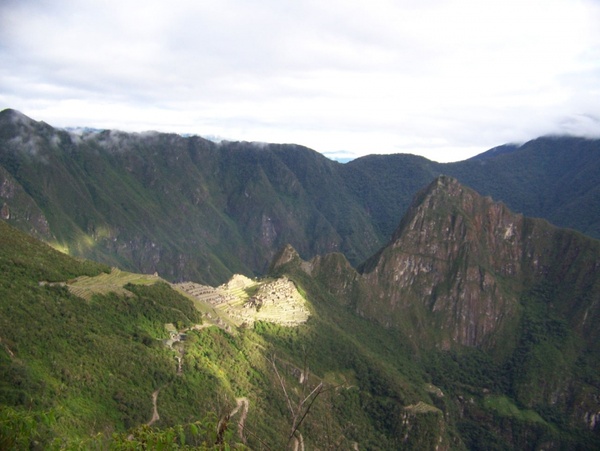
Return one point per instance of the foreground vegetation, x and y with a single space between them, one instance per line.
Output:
80 372
83 370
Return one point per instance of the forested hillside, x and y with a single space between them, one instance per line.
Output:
100 371
191 209
498 309
402 354
556 178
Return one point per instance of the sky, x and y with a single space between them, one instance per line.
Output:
443 79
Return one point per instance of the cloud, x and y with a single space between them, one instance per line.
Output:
440 78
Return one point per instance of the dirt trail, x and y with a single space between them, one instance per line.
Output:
10 353
298 442
155 416
244 405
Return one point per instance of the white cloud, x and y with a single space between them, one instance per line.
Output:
446 79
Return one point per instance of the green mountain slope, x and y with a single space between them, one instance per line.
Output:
555 178
77 372
184 207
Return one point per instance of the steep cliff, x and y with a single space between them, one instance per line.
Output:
460 263
454 264
500 308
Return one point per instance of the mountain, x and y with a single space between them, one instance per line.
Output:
470 286
461 263
467 260
91 359
191 209
185 207
472 328
550 177
555 178
496 151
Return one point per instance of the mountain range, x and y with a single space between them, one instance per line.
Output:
439 317
191 209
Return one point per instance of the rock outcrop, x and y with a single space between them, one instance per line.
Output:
463 275
456 269
454 263
459 264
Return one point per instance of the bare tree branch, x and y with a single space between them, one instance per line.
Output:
287 397
318 390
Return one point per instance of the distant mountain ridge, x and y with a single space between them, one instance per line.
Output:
195 210
496 151
555 178
185 207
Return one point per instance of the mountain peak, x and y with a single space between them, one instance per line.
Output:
454 252
443 195
15 117
459 262
286 255
446 185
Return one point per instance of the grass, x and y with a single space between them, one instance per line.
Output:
97 363
422 407
85 286
503 406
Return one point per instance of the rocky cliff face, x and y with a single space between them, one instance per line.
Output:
460 262
463 275
192 209
454 261
18 208
457 267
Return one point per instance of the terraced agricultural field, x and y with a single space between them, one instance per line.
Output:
85 287
241 300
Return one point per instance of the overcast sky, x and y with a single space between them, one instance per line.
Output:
444 79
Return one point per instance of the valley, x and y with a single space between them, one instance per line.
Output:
193 210
161 292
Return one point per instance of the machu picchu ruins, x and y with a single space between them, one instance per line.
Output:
243 301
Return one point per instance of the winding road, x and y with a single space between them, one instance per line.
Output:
241 403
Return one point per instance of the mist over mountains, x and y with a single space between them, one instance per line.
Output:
447 306
192 209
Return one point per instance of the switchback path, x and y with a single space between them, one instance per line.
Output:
298 442
244 405
155 416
